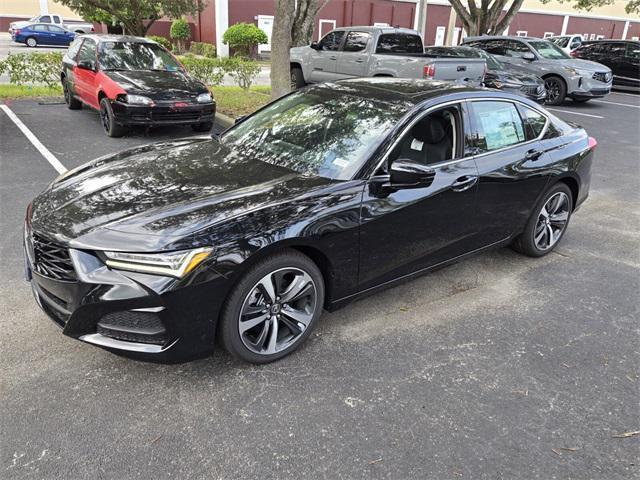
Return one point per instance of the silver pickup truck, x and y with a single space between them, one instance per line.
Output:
377 52
73 26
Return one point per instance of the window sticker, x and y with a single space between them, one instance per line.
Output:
502 127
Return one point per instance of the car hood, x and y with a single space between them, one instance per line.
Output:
157 84
509 76
583 65
147 198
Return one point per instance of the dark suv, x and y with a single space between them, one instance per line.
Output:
621 56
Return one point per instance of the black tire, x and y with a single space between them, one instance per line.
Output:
31 42
556 90
202 127
107 118
581 100
242 295
72 102
526 242
297 78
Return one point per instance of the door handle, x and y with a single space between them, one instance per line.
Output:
360 60
532 154
464 183
332 58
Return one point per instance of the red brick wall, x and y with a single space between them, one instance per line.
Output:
634 30
608 28
437 16
536 24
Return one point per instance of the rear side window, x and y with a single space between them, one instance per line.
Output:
40 28
332 40
73 49
534 122
45 19
356 41
616 49
399 43
87 52
633 50
498 125
494 47
516 49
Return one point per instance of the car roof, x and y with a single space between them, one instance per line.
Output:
400 90
610 40
109 37
501 37
370 29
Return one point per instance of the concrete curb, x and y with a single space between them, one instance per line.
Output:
224 120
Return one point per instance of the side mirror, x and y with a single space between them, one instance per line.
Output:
406 173
529 56
86 65
314 45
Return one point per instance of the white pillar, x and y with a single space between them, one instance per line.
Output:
625 30
222 23
44 7
565 24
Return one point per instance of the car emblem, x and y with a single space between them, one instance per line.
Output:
180 105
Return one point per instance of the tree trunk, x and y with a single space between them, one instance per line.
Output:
489 18
280 45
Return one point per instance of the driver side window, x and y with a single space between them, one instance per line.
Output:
331 41
435 138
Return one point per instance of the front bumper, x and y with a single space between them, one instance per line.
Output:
163 113
149 317
585 86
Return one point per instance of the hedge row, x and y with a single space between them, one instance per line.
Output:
212 70
32 68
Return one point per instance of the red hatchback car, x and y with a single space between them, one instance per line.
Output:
133 81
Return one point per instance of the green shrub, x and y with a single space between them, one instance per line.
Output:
204 49
210 71
242 70
165 42
33 68
244 37
181 32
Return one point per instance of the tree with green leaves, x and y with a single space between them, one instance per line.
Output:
244 38
492 17
136 16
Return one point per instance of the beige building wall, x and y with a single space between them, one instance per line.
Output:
31 8
616 9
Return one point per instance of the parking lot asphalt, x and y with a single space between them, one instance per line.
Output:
498 367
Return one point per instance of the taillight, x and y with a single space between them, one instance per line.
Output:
593 143
16 31
573 54
93 29
429 71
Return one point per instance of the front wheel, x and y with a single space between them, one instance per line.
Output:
273 308
297 78
31 42
108 120
547 224
556 90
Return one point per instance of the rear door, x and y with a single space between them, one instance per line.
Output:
84 78
630 67
352 59
512 163
324 60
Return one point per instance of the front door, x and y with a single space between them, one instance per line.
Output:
406 230
324 60
84 78
352 59
513 165
630 66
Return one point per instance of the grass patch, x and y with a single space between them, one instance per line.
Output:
8 91
236 102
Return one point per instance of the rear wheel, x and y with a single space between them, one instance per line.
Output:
202 127
107 118
72 102
273 308
556 90
547 224
297 78
31 42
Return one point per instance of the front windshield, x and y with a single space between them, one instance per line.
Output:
135 56
548 50
560 41
326 131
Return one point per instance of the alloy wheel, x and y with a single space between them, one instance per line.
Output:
277 310
31 42
294 83
65 91
553 89
552 220
104 118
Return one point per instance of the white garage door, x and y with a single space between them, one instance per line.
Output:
265 23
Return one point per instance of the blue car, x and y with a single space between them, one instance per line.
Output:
43 34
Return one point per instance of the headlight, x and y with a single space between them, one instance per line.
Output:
175 264
204 98
138 100
577 71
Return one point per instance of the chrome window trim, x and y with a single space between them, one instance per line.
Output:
458 160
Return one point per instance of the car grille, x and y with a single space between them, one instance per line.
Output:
130 326
533 90
602 91
602 76
51 260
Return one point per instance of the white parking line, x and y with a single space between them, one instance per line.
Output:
51 158
574 113
625 94
615 103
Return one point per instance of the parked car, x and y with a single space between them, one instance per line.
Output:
568 43
498 75
580 80
42 34
352 52
325 195
133 81
621 56
73 26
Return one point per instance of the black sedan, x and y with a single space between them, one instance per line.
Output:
621 56
321 197
133 81
498 75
